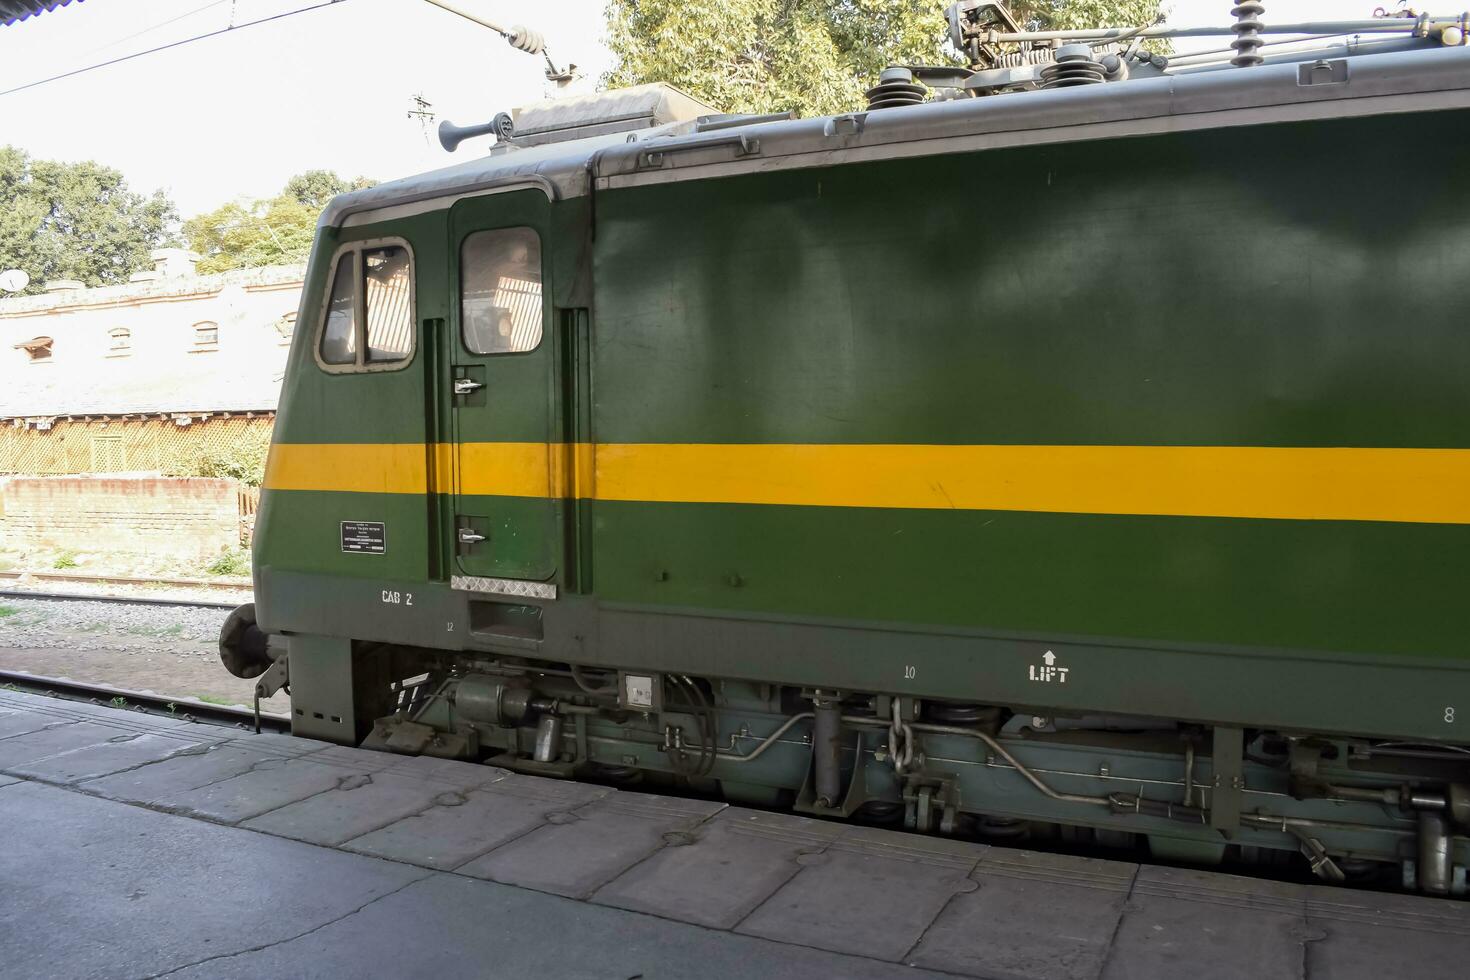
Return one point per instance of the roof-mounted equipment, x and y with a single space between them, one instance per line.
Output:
896 87
520 37
1005 58
623 110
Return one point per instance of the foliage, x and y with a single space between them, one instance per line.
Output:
269 231
233 562
67 559
814 56
315 188
254 233
242 460
76 221
1067 15
8 611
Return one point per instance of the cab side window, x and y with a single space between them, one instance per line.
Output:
339 335
500 309
368 320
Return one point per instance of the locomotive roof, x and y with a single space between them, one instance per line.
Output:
1365 85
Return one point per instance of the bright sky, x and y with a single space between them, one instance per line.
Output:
236 115
240 113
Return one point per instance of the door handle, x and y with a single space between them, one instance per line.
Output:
466 386
468 535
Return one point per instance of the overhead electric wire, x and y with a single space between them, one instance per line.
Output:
172 44
163 23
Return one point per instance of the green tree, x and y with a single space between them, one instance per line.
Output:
269 231
316 187
76 221
814 56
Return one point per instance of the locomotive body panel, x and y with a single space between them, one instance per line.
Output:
1171 426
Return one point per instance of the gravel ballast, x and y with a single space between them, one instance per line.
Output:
170 650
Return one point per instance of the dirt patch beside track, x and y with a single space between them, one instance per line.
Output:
164 650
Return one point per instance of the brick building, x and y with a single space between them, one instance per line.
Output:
115 401
144 377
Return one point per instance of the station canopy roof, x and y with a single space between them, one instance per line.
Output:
14 11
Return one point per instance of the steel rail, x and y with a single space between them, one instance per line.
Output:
64 689
192 583
127 600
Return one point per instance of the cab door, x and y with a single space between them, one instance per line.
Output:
503 389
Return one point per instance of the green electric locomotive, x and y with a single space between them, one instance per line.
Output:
1074 447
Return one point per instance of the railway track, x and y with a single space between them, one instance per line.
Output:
144 701
133 580
130 600
127 698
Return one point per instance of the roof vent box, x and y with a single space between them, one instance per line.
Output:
618 111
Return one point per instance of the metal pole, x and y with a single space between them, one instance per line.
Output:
455 8
519 37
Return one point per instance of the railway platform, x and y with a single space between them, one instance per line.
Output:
144 846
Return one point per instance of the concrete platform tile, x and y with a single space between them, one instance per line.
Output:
20 749
451 926
22 699
361 760
286 746
869 893
1032 917
7 780
98 889
722 871
464 827
359 804
454 772
1194 924
15 721
1390 909
267 785
576 852
180 773
117 753
64 710
1370 935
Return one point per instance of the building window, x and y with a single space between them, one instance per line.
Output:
37 348
206 335
500 309
121 342
368 323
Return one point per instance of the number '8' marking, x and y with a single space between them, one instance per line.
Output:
1449 716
